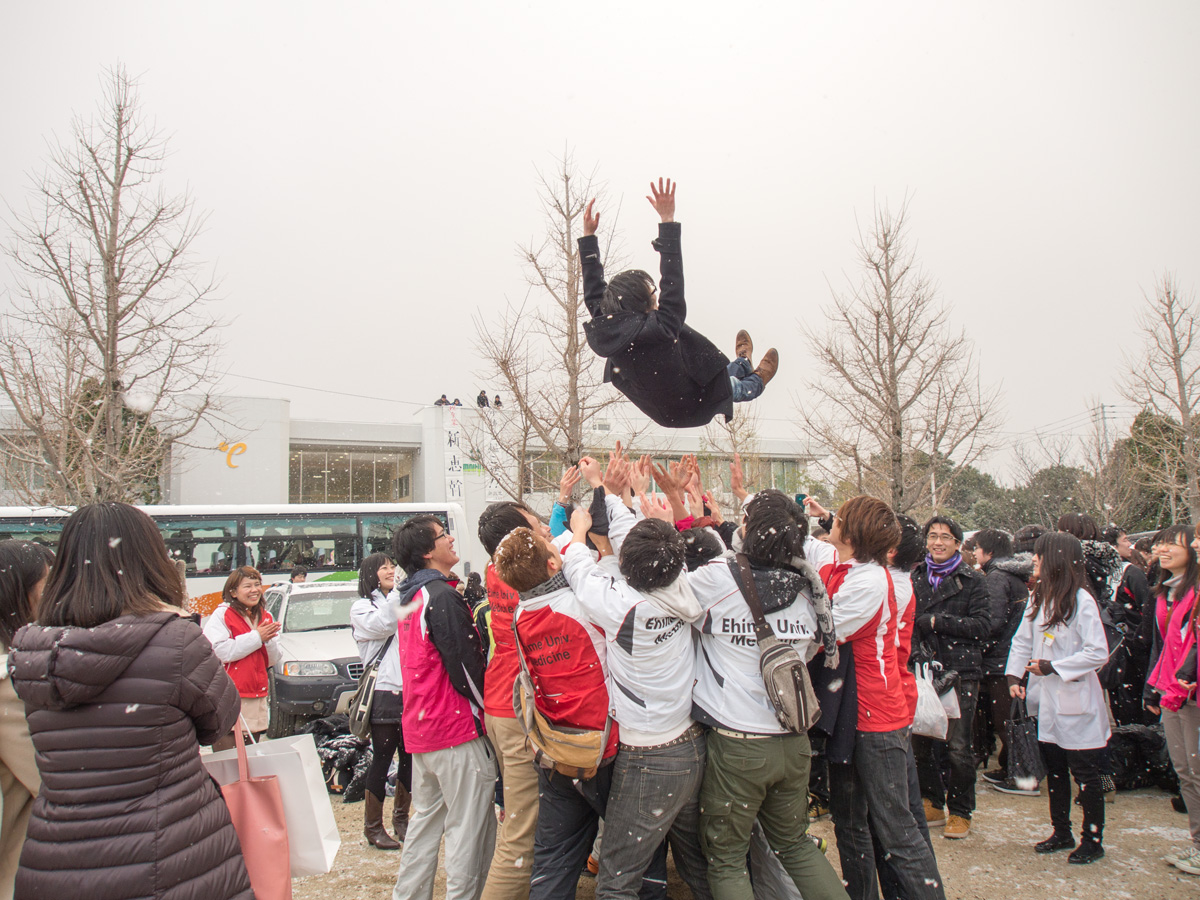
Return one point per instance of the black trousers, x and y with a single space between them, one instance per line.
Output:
1087 766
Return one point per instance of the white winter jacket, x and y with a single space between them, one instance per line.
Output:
650 646
374 619
230 649
1070 703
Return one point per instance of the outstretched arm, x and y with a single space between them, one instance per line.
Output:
589 260
672 310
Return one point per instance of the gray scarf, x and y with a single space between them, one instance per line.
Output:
549 586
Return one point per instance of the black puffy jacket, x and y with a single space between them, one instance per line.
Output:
1006 580
117 714
954 621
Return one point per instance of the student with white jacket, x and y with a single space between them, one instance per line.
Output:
374 620
1060 644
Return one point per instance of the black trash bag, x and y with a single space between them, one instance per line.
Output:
1024 755
344 757
1140 759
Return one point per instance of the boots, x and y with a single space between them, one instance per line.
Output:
743 346
373 828
400 812
768 366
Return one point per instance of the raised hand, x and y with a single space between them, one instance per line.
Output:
591 471
815 509
652 508
737 479
662 199
616 476
639 475
567 483
581 523
591 219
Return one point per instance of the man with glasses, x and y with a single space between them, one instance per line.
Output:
953 621
453 764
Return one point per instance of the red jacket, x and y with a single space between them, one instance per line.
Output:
503 667
250 672
568 660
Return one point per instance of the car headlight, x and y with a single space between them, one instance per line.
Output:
309 669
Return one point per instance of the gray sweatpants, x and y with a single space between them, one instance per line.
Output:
1182 730
452 794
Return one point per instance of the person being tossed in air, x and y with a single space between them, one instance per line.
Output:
669 371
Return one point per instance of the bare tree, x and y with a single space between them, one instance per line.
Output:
1165 377
108 352
538 352
897 383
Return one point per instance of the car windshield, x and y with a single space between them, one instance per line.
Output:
316 610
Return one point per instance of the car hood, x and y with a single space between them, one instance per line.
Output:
316 645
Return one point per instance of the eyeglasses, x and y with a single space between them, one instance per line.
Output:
444 534
941 539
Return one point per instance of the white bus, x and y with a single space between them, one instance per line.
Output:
328 539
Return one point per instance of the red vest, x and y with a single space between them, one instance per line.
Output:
250 672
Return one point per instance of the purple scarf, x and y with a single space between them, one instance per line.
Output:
938 571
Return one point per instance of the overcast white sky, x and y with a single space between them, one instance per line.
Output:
370 167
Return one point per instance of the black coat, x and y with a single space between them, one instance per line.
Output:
673 374
1007 592
961 618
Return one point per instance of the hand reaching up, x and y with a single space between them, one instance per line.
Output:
567 483
737 479
591 219
591 471
654 508
663 199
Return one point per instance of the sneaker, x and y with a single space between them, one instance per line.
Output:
1188 861
957 827
934 817
1187 851
821 843
1056 841
1090 851
816 808
996 776
1010 786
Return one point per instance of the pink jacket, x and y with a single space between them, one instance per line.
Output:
1177 641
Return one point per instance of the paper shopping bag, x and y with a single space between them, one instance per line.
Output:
256 808
313 838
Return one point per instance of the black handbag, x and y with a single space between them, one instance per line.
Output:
1024 755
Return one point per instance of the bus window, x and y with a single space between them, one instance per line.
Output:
205 545
377 530
281 542
40 531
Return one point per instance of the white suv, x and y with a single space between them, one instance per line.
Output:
319 666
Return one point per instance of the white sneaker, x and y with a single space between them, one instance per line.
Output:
1173 858
1189 862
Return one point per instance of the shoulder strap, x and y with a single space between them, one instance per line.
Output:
383 650
750 592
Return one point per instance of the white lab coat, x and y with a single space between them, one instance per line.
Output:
1070 703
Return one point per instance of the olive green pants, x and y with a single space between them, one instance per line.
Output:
767 779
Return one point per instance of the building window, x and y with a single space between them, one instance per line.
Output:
345 475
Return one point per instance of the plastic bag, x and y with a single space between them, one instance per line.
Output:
930 719
949 702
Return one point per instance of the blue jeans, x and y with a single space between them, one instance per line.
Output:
655 797
888 882
871 795
569 812
746 385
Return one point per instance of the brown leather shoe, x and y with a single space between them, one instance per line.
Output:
768 366
373 828
743 346
400 812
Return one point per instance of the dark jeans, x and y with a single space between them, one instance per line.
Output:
569 812
889 882
957 793
870 796
386 739
994 697
1087 766
655 797
746 385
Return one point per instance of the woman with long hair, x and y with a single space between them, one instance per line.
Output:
375 617
1175 621
1058 646
23 570
246 639
120 691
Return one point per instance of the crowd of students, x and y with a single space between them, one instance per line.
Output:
628 626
